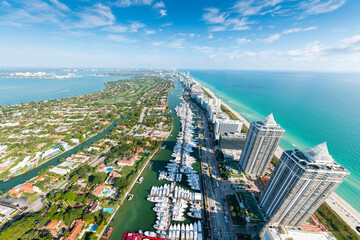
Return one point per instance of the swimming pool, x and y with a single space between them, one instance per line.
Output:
93 228
109 210
106 191
109 169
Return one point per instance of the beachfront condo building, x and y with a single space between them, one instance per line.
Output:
261 142
227 125
232 140
301 182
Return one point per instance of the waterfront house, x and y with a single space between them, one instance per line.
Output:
26 187
52 224
93 205
78 224
113 175
40 178
127 162
98 190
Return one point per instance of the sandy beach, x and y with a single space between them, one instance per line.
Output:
342 208
345 211
279 151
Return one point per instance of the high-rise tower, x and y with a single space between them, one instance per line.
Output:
261 142
301 182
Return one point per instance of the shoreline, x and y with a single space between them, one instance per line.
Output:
279 151
338 204
344 210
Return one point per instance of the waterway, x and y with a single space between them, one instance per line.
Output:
7 185
138 214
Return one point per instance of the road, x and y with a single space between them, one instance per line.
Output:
220 220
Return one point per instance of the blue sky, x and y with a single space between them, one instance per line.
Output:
315 35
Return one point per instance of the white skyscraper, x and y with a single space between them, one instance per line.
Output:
261 142
301 182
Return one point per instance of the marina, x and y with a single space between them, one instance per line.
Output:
139 212
171 201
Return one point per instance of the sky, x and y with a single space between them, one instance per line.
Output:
307 35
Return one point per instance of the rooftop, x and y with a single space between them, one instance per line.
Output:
318 154
268 123
269 120
282 233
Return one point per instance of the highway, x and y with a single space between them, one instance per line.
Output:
220 220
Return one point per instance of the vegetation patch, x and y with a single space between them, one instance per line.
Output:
334 223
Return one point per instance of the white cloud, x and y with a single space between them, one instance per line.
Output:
135 26
117 28
296 30
223 22
346 47
271 38
167 24
60 5
5 4
177 43
213 16
120 38
30 12
233 24
242 40
192 35
96 16
159 5
211 36
149 31
158 43
162 12
251 54
129 3
218 28
320 6
204 49
300 9
237 24
255 7
276 36
310 50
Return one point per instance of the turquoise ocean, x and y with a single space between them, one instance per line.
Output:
311 107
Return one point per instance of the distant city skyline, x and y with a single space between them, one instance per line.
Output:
311 35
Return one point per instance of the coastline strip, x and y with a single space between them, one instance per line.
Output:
339 205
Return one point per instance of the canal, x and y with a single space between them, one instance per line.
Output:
137 214
7 185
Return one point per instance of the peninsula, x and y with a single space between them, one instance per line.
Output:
86 188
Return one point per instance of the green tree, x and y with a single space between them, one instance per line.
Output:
121 183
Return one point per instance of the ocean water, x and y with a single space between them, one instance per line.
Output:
311 107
